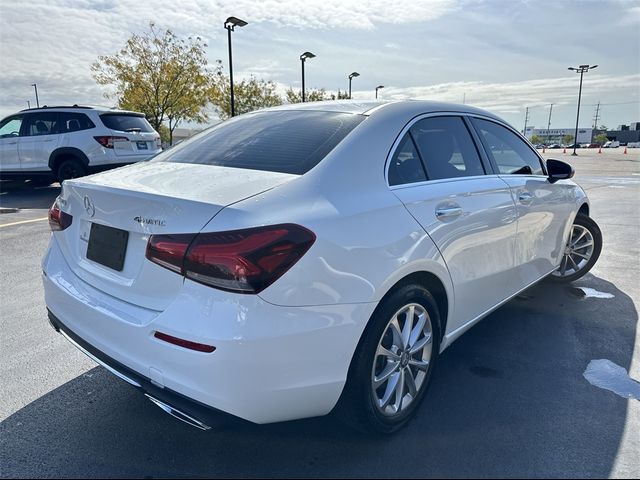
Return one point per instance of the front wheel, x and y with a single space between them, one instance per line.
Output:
69 169
581 251
393 363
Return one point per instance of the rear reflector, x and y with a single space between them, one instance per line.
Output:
241 261
58 220
198 347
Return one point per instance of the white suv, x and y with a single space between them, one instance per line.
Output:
58 143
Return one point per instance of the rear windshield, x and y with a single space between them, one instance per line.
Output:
126 123
286 141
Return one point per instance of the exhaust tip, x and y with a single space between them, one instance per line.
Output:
174 412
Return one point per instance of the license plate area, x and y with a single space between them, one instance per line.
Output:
142 145
107 246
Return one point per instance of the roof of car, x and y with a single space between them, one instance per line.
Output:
46 108
370 107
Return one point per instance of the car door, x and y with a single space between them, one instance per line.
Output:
437 172
9 135
543 209
40 137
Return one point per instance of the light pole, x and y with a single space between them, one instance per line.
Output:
230 25
549 123
378 88
28 104
37 101
303 57
354 74
581 70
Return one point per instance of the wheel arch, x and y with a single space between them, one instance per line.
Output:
61 154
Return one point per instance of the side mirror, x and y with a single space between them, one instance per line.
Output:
559 170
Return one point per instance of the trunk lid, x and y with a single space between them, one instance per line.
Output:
144 199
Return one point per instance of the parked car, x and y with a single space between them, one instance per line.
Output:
59 143
611 144
309 258
554 146
574 145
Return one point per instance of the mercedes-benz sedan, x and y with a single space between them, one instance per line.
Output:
309 258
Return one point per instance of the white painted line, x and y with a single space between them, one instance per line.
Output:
607 375
592 293
23 221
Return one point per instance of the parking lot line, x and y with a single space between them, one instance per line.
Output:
23 221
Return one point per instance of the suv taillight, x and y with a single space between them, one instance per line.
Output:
241 261
107 141
58 220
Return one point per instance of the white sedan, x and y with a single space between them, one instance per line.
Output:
309 258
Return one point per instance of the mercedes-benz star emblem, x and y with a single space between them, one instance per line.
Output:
88 206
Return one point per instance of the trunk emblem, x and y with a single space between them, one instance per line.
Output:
89 207
150 221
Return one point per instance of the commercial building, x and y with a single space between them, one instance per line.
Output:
556 135
625 133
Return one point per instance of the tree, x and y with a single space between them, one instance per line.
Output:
312 95
567 139
535 139
249 95
157 73
601 139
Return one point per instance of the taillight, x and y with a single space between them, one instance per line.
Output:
158 142
107 141
58 220
242 261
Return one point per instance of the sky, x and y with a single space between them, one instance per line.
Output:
501 55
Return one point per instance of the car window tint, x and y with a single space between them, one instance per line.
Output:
123 122
73 122
10 127
405 166
510 153
45 123
276 141
446 148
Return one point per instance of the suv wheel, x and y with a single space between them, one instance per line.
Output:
70 168
393 363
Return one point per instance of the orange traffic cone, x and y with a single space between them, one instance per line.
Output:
600 150
565 150
625 150
544 147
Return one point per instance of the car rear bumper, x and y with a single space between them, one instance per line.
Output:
271 363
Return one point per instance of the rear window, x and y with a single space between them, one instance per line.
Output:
126 123
286 141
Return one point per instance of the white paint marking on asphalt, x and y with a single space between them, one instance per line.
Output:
607 375
592 293
23 221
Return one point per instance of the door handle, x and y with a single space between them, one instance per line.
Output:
449 212
525 198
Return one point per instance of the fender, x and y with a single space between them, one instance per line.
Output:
67 152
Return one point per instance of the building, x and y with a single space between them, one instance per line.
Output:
556 135
625 133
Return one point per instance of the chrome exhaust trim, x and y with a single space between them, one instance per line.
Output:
174 412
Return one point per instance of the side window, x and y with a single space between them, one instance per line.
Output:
510 153
446 147
45 123
10 127
73 122
406 166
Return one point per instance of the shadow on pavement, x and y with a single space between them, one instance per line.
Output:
508 400
26 195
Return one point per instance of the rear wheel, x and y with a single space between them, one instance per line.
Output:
581 251
393 364
71 168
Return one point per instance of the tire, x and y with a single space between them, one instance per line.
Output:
71 168
361 405
581 252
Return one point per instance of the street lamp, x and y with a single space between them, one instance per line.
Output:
354 74
581 70
378 88
230 25
36 87
28 104
303 57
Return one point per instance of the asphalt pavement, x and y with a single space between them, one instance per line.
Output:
507 400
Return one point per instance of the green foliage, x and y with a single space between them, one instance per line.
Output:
249 95
601 139
311 95
157 73
536 139
568 139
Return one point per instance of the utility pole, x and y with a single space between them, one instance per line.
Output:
597 116
526 120
549 124
464 98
